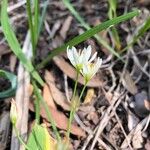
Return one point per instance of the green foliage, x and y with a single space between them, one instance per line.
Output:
44 104
39 138
87 34
141 31
144 28
112 14
99 39
33 21
13 79
14 44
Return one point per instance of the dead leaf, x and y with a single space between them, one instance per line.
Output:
70 72
54 29
89 96
4 50
92 116
56 94
60 119
30 91
144 2
48 96
137 140
128 83
57 41
108 95
147 145
65 27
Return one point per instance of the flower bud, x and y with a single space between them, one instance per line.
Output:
13 112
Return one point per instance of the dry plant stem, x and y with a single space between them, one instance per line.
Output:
66 87
134 131
15 6
91 133
22 99
123 131
107 116
137 62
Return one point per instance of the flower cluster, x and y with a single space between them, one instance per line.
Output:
83 62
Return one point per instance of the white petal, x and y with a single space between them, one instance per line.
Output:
70 56
97 64
75 55
87 53
93 57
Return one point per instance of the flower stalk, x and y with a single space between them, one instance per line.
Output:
83 63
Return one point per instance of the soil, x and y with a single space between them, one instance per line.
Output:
117 106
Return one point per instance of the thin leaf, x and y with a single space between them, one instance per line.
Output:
13 79
39 139
80 38
144 28
30 21
36 20
45 5
14 44
45 106
99 39
112 14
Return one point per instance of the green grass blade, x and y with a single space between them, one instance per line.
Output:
30 21
14 44
36 20
99 39
112 14
142 30
13 80
46 108
140 33
80 38
45 5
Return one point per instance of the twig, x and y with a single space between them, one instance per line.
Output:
107 116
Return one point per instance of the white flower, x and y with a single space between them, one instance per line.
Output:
78 59
90 69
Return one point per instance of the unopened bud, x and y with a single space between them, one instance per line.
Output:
13 112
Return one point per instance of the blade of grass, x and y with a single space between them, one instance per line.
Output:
50 118
112 14
30 21
42 16
36 20
99 39
89 33
14 44
140 33
13 79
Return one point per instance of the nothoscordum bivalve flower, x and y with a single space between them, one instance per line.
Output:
78 59
90 69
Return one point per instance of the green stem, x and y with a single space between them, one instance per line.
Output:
30 21
20 139
71 116
72 112
75 85
36 20
83 90
49 115
37 108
